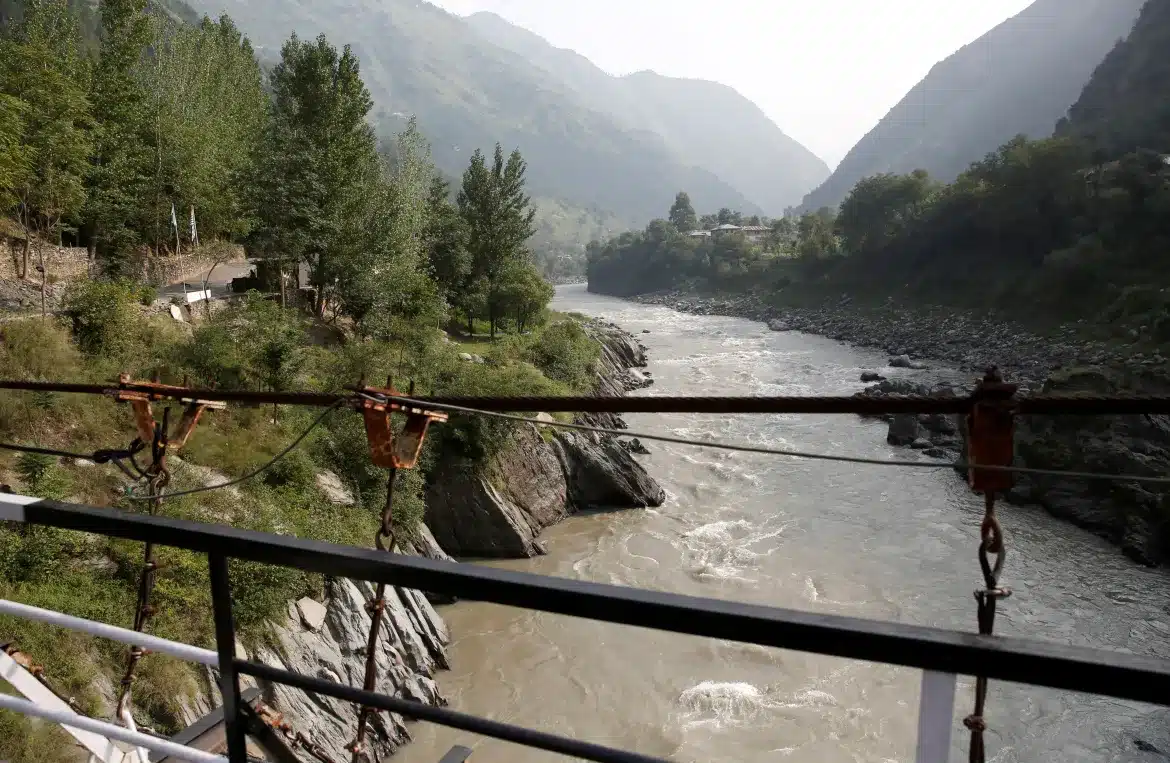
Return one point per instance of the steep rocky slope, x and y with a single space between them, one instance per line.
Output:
1021 77
1124 106
468 93
543 476
706 123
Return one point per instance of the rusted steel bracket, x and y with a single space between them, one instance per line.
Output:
289 739
991 432
144 422
386 449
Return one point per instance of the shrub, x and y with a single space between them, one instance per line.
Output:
479 437
564 353
42 476
296 470
102 316
38 349
147 294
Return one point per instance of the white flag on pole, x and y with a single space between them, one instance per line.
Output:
174 220
194 232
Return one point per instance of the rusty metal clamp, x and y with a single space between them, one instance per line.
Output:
990 433
144 423
990 442
388 450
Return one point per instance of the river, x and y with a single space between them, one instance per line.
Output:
875 542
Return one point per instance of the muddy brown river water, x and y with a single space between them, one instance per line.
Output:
876 542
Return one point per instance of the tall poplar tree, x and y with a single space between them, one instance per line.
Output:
42 67
121 169
499 219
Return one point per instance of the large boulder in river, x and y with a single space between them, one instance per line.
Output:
497 509
603 475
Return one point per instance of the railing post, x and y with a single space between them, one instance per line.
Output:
936 713
225 645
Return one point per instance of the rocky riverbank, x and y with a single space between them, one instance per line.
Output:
1135 517
473 510
498 510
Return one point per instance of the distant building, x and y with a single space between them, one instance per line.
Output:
700 234
753 233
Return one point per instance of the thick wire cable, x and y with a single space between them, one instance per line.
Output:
252 474
743 448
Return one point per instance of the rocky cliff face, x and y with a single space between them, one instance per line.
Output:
498 510
1134 516
328 640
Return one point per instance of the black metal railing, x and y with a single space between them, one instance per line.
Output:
1058 666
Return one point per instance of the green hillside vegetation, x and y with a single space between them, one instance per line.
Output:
404 268
466 93
1070 227
1019 78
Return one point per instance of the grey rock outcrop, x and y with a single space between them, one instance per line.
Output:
603 475
410 651
498 509
1134 516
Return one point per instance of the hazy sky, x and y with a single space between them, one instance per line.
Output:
824 70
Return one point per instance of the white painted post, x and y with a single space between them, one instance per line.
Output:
936 711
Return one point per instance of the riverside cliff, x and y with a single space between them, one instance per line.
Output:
498 510
1136 518
493 510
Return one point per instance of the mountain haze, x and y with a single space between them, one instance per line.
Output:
1124 107
706 123
469 93
1020 77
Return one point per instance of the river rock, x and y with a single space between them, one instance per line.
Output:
411 649
602 475
1134 516
334 489
497 510
635 446
778 325
904 429
871 376
904 361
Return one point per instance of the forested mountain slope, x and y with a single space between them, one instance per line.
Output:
468 93
1125 105
1019 78
706 123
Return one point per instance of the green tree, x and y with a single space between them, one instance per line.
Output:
209 111
323 153
880 208
121 167
815 236
682 214
15 162
446 240
384 283
42 67
524 294
499 218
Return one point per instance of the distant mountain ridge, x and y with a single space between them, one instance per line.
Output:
1125 106
1020 77
706 123
469 93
